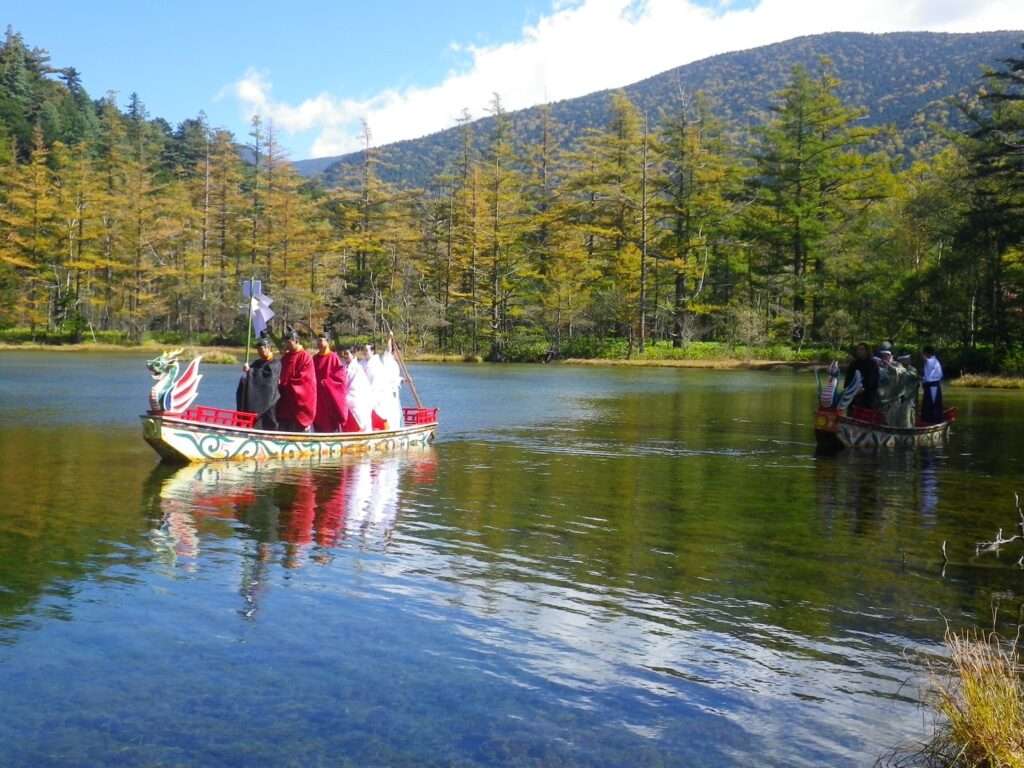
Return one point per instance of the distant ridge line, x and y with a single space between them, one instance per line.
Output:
874 69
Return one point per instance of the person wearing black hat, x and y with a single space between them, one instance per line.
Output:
865 363
257 390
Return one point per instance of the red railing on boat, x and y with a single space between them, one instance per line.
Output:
876 417
221 417
869 415
413 416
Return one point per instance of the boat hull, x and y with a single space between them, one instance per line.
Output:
180 441
834 432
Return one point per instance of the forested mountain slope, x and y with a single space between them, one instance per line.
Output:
903 79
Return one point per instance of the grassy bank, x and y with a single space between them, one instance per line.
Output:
989 382
438 357
211 354
696 354
723 363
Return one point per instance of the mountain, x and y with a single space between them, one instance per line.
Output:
903 79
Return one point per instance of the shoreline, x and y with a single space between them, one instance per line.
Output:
138 349
221 355
718 364
724 363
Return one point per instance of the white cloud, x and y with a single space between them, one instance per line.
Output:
594 44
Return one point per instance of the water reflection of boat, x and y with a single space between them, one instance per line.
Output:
293 511
835 430
873 492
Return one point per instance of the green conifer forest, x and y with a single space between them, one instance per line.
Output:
659 229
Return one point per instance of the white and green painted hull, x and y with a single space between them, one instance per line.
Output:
835 431
178 440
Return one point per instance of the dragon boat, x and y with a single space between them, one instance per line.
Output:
863 428
182 433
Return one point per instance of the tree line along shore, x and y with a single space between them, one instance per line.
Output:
713 357
685 241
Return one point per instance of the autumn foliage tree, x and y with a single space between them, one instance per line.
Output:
662 226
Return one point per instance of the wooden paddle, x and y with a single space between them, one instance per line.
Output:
401 364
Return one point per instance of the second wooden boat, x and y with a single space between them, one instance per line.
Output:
833 431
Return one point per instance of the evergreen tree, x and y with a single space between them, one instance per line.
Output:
467 223
692 208
608 184
991 236
809 179
229 229
502 184
29 219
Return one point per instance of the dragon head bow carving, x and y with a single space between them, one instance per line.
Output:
171 393
831 395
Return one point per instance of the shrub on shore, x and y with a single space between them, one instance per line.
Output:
54 338
216 357
989 382
618 349
979 697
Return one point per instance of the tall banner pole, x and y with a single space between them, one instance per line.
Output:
248 311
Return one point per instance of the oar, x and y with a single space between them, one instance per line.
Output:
402 365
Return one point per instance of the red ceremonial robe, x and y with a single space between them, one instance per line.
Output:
331 393
297 405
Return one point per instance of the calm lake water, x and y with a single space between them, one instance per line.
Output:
590 568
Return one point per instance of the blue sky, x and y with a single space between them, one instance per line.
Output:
180 55
317 69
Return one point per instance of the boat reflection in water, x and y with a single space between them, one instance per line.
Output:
290 511
872 491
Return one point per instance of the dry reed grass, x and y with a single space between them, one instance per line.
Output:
978 695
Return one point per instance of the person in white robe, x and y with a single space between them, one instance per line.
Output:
932 411
360 395
379 384
360 496
391 388
384 506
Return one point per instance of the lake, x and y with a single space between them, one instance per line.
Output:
591 567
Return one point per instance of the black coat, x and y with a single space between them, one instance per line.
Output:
869 380
257 390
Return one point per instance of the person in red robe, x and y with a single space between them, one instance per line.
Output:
331 388
297 406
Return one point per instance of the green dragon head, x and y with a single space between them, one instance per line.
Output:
166 363
171 394
164 370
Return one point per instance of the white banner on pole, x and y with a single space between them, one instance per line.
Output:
262 314
252 288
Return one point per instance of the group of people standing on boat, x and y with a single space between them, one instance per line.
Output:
354 390
890 384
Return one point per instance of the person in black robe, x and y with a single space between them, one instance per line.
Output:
865 363
258 388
